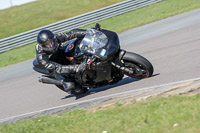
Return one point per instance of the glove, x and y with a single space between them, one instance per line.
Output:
79 72
81 67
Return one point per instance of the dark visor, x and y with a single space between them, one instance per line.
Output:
49 44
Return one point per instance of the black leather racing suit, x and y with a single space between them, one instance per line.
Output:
56 62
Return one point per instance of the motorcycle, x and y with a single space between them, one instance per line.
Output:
107 63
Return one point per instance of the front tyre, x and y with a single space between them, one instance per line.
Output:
140 66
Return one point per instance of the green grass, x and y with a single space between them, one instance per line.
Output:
17 55
176 114
42 12
119 23
149 14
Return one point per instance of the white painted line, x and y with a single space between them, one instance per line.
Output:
98 98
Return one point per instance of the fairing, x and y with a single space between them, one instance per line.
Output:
102 44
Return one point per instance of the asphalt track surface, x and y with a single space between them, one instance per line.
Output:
172 45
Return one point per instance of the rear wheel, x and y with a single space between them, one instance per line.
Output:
140 66
76 91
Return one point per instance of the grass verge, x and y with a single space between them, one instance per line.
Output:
176 114
17 55
22 18
119 23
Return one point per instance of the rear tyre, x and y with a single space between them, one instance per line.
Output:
60 87
76 91
140 66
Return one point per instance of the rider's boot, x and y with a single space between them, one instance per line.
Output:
68 86
66 82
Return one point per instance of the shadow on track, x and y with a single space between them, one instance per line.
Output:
124 81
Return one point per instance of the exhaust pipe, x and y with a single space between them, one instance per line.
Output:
48 80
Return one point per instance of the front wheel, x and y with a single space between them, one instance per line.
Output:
140 66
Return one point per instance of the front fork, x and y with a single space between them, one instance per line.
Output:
117 63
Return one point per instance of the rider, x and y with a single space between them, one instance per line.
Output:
49 53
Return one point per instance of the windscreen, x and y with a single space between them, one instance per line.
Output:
94 42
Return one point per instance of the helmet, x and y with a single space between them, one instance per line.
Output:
47 40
